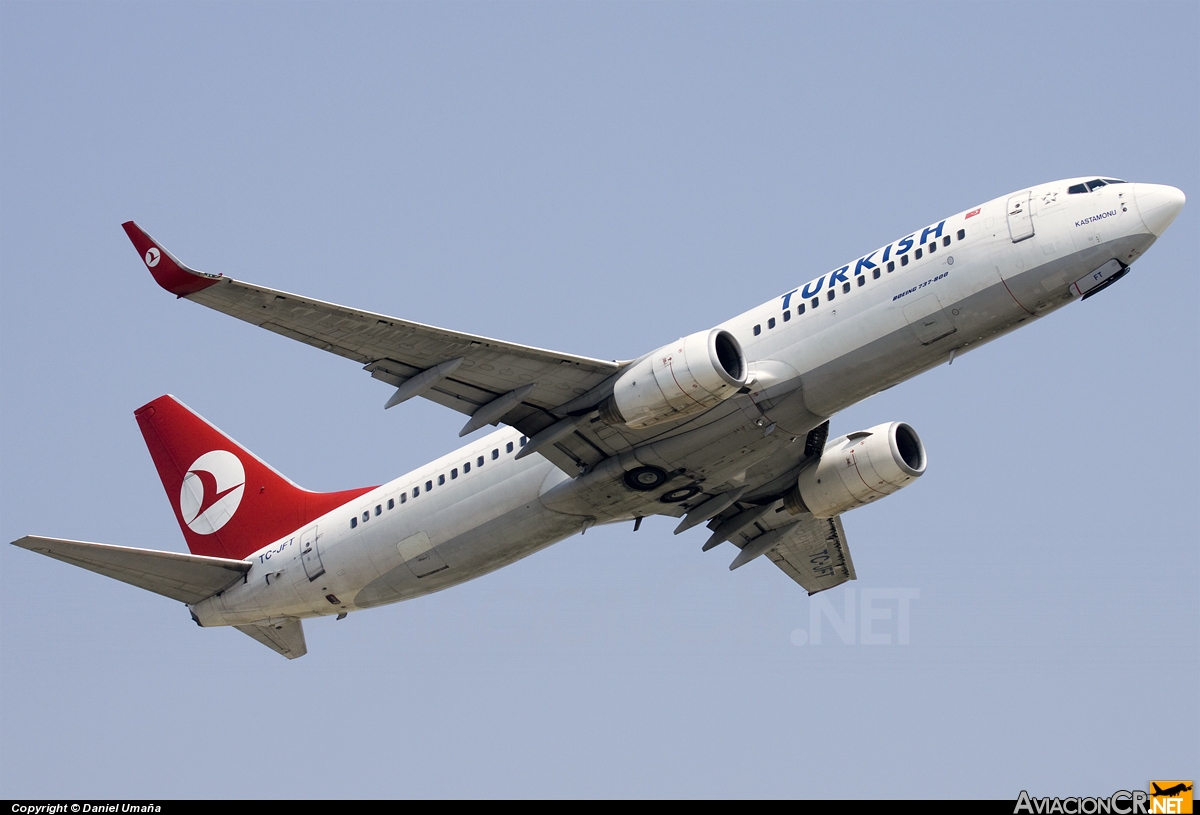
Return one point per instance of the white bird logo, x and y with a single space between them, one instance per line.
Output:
211 491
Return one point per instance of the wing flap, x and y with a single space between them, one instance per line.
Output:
186 578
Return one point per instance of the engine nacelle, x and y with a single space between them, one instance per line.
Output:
857 469
685 377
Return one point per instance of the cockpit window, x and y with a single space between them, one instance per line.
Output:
1094 184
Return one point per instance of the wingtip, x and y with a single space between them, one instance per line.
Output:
166 269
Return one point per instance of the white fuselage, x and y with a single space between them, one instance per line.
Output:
813 351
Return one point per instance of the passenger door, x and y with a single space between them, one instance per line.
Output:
1020 222
311 554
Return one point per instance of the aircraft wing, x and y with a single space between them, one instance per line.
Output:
814 554
460 371
186 578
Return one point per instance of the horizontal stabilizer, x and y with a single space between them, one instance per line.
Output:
187 578
284 635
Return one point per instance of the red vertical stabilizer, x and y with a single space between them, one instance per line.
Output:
228 502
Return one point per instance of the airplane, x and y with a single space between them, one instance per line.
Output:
727 427
1170 792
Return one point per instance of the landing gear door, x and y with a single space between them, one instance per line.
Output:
311 554
1020 222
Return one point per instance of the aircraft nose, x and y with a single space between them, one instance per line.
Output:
1158 205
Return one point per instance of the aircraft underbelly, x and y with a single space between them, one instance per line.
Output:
904 351
1046 287
498 542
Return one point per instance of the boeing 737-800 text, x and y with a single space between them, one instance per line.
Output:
726 427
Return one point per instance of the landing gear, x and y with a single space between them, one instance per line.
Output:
644 479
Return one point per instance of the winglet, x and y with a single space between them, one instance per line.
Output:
167 270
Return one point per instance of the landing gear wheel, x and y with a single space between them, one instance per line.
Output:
644 479
681 494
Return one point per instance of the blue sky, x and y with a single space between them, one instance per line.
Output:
600 179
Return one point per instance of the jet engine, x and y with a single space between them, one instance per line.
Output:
688 376
857 469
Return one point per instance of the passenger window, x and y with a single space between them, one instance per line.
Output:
453 473
391 503
466 467
1075 189
353 523
891 265
946 241
757 330
962 233
479 461
932 247
846 288
378 509
830 295
495 454
800 309
523 440
875 274
404 497
428 486
917 254
366 517
787 315
416 491
816 301
441 479
862 278
904 260
771 323
508 448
